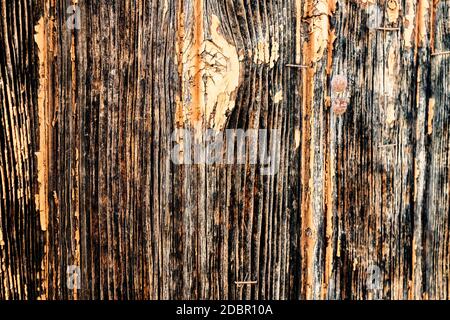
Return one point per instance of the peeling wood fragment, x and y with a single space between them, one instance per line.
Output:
409 23
423 7
266 53
42 155
278 97
210 71
431 104
222 74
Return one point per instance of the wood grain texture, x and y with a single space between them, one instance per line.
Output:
86 131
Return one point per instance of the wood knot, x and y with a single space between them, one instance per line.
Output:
339 83
340 106
393 11
210 71
339 97
392 4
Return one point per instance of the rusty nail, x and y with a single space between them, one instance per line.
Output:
440 53
245 282
296 66
387 145
388 29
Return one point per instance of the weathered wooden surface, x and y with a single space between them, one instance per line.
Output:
86 177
